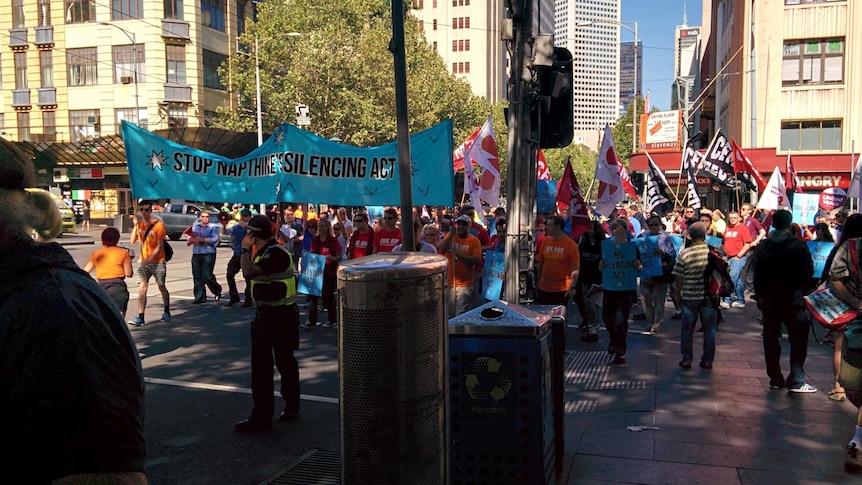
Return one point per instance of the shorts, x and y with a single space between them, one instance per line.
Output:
153 269
850 374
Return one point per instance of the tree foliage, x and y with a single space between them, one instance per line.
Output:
622 132
333 56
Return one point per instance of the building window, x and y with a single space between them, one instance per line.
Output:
80 11
467 67
421 25
20 59
466 22
434 5
209 118
49 125
125 63
84 123
434 25
82 66
434 45
213 14
817 61
174 9
811 135
46 68
44 13
176 63
454 46
128 114
126 9
18 18
240 17
212 61
23 126
178 117
2 122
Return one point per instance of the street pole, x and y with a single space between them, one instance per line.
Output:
405 175
635 95
257 92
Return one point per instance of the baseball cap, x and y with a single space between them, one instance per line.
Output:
464 218
499 210
261 226
245 213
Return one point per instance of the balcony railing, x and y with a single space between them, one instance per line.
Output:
178 93
21 98
47 96
18 38
175 29
45 36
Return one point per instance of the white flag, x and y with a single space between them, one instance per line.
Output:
471 186
775 195
855 189
610 191
480 148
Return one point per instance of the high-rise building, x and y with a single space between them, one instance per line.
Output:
686 66
71 71
466 34
591 31
631 62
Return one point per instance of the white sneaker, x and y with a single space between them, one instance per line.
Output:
737 304
724 304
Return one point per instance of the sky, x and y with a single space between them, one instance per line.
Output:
657 20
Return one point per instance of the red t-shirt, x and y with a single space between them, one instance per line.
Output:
735 238
385 240
361 244
328 247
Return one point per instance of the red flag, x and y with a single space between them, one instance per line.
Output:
791 178
481 149
741 163
569 194
627 182
542 172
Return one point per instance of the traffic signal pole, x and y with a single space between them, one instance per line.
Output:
522 149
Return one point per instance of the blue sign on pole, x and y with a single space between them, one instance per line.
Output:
677 242
650 260
619 266
493 275
714 241
546 196
311 274
819 252
805 208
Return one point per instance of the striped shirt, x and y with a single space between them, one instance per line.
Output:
691 264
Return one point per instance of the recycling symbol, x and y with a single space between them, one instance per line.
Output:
487 381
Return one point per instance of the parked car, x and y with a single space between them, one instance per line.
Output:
180 217
66 213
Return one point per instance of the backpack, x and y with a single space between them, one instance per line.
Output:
169 251
716 277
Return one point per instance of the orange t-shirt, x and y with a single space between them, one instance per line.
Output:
149 246
560 258
460 273
109 262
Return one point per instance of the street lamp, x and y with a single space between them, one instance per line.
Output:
257 78
132 37
635 82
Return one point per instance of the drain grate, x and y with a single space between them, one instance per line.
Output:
590 371
315 467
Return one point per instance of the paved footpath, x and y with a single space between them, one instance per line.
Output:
722 426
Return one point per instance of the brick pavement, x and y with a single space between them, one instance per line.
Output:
722 426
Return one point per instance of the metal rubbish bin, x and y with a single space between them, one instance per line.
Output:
392 345
501 397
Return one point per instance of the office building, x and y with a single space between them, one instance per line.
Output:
631 62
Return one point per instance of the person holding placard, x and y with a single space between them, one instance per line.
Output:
464 251
620 264
589 275
327 245
691 289
557 278
654 288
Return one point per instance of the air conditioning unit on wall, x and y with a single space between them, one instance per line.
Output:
126 79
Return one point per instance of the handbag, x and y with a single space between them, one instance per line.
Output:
829 310
169 251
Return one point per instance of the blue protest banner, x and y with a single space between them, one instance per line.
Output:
311 274
650 260
619 266
819 252
714 241
292 165
374 211
677 242
546 196
805 208
493 275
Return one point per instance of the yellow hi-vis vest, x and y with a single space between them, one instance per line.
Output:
276 289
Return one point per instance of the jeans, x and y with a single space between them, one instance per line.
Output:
460 300
707 310
736 265
795 318
202 274
328 295
234 268
274 332
654 295
615 313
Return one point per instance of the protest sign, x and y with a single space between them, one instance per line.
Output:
819 252
619 266
311 274
805 208
650 260
546 196
493 275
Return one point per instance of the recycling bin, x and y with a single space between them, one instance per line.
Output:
392 340
501 396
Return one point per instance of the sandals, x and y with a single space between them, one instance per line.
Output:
836 395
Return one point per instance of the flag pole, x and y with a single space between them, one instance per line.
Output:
852 172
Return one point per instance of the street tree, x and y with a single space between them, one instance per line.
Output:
333 56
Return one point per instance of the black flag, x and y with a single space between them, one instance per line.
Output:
658 202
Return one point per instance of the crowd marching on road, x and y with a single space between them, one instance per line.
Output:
704 264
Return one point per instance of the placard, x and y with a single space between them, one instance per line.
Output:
546 196
714 241
677 242
819 252
619 266
650 260
311 274
493 274
805 208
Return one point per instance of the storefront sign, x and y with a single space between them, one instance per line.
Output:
822 181
660 131
673 181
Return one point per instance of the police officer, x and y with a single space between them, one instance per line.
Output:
275 328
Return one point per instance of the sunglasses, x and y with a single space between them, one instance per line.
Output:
389 218
358 220
146 210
